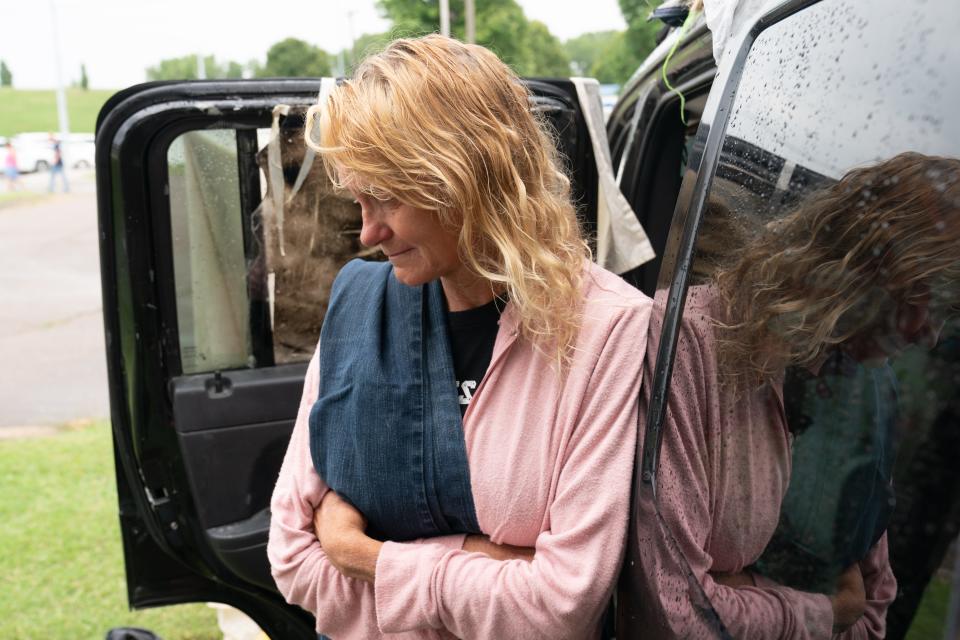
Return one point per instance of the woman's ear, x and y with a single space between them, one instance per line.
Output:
916 325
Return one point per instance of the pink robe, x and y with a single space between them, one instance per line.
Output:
550 467
724 469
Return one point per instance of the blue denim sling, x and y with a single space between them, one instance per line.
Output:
385 431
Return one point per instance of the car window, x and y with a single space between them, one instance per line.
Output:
259 233
252 282
621 126
652 173
209 265
811 422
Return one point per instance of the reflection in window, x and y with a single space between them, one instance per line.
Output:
306 230
811 420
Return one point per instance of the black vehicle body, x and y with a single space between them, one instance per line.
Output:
197 453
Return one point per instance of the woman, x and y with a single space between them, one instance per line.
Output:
389 515
860 271
10 170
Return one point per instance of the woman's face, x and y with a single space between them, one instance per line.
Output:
916 322
420 249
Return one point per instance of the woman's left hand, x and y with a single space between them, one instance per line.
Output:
340 530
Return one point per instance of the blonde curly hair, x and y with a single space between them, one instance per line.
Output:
447 127
839 265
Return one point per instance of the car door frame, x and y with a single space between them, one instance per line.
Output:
162 563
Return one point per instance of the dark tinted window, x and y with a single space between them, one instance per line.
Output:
812 421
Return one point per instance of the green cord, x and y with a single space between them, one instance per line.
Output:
691 18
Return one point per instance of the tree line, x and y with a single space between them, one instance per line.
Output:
526 45
6 77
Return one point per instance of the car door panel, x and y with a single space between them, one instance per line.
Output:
231 398
234 437
241 546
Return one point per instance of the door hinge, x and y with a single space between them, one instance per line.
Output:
162 503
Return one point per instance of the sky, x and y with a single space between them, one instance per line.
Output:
119 39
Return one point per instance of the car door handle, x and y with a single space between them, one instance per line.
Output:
218 386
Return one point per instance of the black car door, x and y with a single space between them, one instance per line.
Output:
219 235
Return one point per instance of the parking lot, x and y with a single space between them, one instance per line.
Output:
51 331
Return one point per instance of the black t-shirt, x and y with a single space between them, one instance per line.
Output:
472 335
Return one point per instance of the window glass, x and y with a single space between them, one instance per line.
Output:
812 425
209 264
258 238
653 180
259 234
306 231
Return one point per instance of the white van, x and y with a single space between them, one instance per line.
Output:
34 151
78 151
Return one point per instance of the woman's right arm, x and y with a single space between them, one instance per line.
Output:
674 533
344 607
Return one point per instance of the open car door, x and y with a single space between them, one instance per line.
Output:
219 238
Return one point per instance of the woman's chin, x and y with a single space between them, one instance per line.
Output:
409 277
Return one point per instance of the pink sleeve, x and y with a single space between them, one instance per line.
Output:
678 595
562 592
881 588
343 607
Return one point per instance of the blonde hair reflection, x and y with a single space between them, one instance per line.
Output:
840 264
445 126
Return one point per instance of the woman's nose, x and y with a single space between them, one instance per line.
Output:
373 231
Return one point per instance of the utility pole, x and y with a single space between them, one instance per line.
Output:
201 68
445 18
471 24
353 40
63 119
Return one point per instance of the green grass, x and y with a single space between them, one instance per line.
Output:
932 614
10 198
25 110
61 562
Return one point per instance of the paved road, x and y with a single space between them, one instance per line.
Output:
52 364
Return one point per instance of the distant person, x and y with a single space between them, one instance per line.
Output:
10 168
56 168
